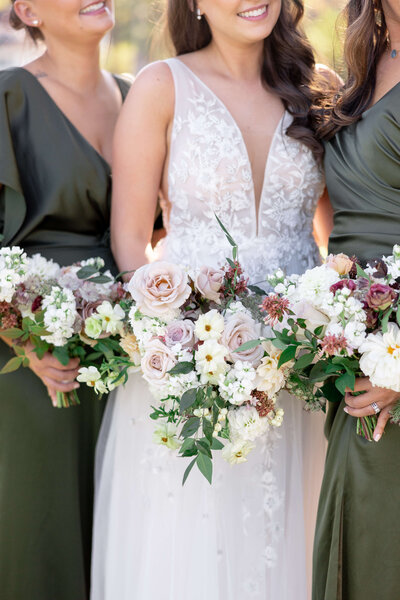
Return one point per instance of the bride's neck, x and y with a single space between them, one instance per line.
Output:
240 62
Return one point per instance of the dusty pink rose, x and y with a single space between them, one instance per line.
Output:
209 283
159 289
241 328
180 332
341 263
380 296
156 362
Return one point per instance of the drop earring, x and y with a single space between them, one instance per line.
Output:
199 16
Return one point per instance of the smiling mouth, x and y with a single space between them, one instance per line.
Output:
93 8
254 13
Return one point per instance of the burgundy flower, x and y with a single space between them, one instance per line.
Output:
380 267
372 317
263 404
380 296
37 304
343 283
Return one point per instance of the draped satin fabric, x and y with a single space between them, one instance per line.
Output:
357 551
55 200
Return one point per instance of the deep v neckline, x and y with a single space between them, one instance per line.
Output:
68 121
256 207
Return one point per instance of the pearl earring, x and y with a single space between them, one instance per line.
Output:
36 22
198 14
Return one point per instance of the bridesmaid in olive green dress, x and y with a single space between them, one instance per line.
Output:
57 117
357 544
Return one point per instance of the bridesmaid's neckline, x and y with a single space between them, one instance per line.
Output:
67 120
396 85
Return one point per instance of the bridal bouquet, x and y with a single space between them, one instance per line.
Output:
70 311
337 322
192 338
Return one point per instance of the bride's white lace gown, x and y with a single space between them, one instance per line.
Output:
249 535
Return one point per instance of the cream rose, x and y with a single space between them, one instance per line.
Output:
313 317
241 328
130 345
341 263
209 282
270 379
156 362
180 332
159 289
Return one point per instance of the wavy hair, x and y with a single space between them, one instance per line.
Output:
16 23
288 66
366 39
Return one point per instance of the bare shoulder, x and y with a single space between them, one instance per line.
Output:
329 76
153 89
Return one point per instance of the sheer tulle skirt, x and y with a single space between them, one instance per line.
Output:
246 537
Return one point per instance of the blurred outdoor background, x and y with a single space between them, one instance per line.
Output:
130 47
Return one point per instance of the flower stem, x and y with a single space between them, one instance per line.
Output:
366 427
67 399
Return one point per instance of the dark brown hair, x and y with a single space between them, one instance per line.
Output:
16 23
288 67
366 39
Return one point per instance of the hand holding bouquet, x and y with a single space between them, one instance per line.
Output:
338 322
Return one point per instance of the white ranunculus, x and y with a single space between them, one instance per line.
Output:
156 362
241 328
236 452
210 361
246 424
209 326
380 358
159 289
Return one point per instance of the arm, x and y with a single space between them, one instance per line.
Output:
323 221
139 155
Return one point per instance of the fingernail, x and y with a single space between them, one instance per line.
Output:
377 437
346 410
76 386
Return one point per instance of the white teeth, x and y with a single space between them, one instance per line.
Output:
92 8
254 13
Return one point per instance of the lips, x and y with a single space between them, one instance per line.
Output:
94 7
254 13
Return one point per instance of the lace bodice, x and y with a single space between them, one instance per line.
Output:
210 173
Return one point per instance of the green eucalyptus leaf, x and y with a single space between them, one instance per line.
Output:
14 333
204 464
187 400
248 345
304 361
287 355
216 444
188 469
61 354
12 365
182 368
190 427
347 380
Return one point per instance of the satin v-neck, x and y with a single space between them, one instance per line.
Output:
67 120
256 208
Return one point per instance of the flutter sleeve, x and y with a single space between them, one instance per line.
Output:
12 201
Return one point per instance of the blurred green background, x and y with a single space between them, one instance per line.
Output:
130 47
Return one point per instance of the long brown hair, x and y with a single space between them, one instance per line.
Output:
15 22
366 39
288 67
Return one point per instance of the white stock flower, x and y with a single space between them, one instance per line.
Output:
41 268
210 361
314 286
236 386
236 452
246 424
380 358
60 315
13 269
355 333
209 326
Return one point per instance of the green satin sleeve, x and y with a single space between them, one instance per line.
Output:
12 202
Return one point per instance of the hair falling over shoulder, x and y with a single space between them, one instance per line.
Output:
366 39
288 67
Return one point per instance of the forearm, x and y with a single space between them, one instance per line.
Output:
129 252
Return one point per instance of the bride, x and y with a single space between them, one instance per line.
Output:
225 127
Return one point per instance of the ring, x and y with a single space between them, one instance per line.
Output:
375 407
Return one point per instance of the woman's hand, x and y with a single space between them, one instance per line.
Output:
55 376
361 406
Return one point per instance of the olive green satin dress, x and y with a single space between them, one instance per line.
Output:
357 544
56 201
